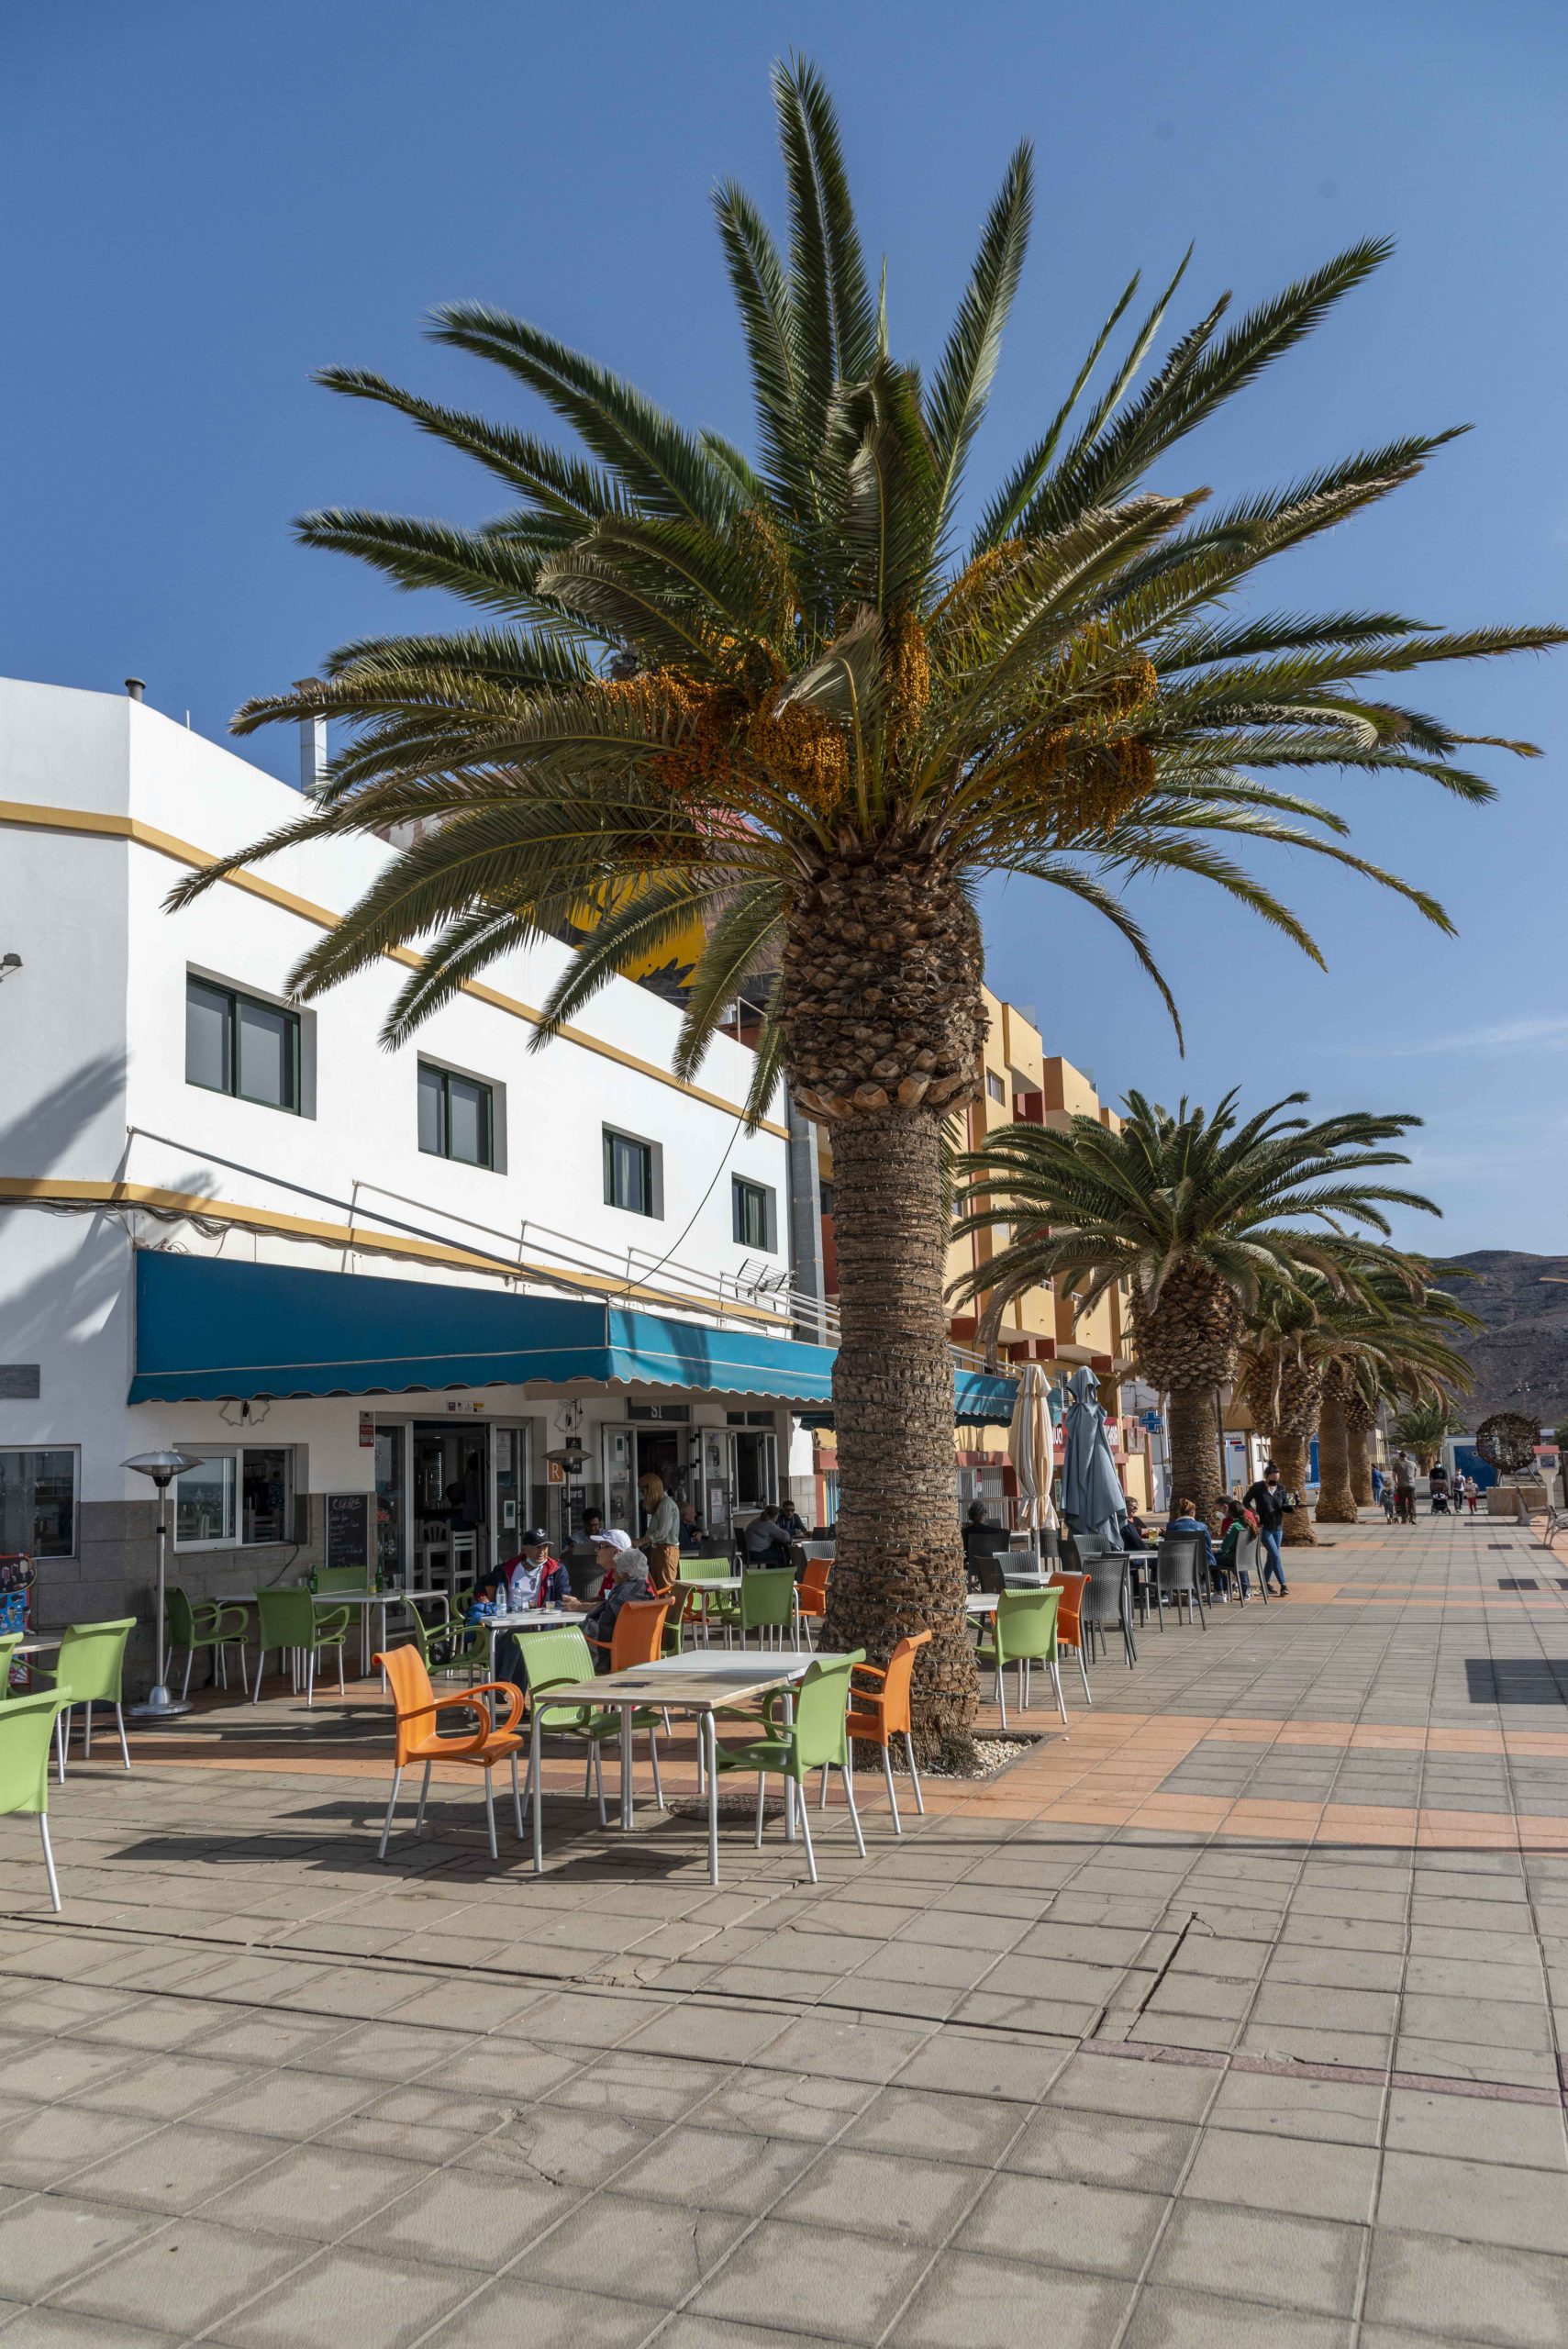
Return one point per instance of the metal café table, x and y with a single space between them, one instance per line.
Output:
704 1684
523 1619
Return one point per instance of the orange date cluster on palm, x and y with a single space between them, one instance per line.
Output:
880 990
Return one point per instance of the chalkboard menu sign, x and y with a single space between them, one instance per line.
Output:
348 1531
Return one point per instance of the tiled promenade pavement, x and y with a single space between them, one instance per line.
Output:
1232 2020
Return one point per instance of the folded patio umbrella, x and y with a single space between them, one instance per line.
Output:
1030 1450
1092 1498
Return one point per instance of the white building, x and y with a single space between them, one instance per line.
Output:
245 1228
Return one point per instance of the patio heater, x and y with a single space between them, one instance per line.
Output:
162 1467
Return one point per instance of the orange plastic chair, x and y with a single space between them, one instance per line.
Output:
418 1739
881 1714
638 1633
811 1593
1069 1619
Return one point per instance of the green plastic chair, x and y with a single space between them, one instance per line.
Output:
26 1727
7 1647
563 1660
292 1620
767 1603
92 1661
816 1739
1024 1634
447 1646
340 1578
206 1623
720 1609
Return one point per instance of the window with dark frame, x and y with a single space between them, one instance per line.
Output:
237 1499
457 1117
995 1087
754 1215
629 1173
37 1503
237 1044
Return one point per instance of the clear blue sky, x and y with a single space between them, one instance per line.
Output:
204 203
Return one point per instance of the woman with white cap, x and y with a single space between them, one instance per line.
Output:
625 1570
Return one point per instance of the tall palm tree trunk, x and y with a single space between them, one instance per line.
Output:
1359 1421
899 1565
1195 1451
882 1019
1336 1497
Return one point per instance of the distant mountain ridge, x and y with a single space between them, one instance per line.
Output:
1521 1358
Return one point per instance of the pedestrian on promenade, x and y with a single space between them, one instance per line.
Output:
661 1535
1404 1487
1268 1501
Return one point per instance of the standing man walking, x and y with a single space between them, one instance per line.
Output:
661 1535
1267 1500
1404 1487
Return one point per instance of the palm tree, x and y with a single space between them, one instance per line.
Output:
1382 1315
1198 1213
789 695
1403 1345
1422 1427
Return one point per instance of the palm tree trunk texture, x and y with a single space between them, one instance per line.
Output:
1336 1497
1293 1454
899 1565
1359 1423
1195 1451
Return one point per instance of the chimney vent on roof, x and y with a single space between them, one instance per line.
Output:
313 751
136 687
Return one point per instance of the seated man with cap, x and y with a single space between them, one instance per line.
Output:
533 1579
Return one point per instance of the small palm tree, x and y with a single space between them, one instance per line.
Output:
803 697
1200 1213
1422 1426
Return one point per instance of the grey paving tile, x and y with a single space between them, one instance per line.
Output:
1104 2149
45 2328
1529 2137
41 2145
453 2219
45 2239
1468 2292
712 2169
1063 2222
1311 2178
1309 2264
1342 2112
189 2273
514 2314
314 2191
636 2249
1007 2304
1154 2091
828 2285
940 2127
1171 2317
350 2299
1474 2201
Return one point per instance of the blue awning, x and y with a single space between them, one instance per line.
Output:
210 1330
980 1399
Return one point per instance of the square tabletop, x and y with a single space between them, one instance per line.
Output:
696 1683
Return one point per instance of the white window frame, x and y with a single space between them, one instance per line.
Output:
60 1557
234 1453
